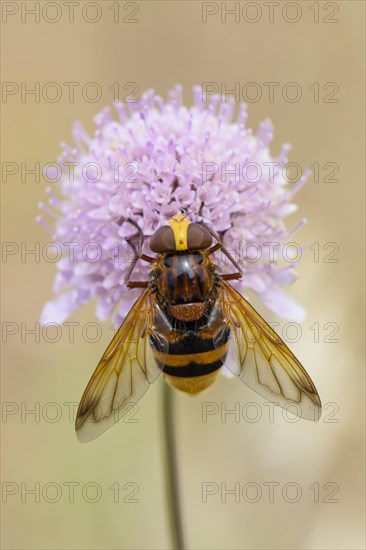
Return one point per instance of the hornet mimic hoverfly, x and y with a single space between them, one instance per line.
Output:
188 323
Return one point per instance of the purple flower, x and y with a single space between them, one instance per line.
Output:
158 159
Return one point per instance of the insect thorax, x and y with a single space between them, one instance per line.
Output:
184 282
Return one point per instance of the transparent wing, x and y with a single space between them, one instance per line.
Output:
124 373
263 361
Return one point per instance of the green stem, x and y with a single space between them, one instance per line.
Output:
171 467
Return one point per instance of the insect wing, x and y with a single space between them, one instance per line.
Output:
263 361
124 373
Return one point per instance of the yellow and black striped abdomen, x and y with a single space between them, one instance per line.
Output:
194 359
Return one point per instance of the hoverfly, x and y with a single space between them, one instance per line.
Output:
188 323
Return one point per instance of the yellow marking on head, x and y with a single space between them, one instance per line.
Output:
179 225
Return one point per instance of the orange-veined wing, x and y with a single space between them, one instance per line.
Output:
263 361
124 373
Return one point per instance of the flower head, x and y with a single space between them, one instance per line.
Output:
156 160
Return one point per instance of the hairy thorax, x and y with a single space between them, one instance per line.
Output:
184 282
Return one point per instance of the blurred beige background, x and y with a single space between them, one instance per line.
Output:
171 44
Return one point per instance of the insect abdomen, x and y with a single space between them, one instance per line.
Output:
192 363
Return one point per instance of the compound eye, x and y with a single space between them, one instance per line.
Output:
198 237
163 240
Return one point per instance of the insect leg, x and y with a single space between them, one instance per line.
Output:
134 284
138 255
214 248
229 276
219 245
137 284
